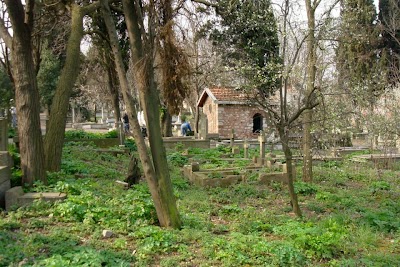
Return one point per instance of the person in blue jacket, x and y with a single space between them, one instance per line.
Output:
185 128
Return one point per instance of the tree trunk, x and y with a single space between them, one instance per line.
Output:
307 146
197 119
307 116
166 124
134 173
26 97
113 88
54 139
159 183
289 161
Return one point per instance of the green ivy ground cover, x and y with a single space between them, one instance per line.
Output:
351 218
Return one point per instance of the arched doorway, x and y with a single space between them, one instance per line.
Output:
257 123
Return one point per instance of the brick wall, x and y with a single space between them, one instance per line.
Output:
223 118
239 118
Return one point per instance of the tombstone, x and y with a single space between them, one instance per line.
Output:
121 133
195 166
44 119
261 139
246 148
3 134
103 116
203 127
232 137
285 170
235 150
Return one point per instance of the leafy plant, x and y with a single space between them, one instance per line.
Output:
305 189
213 175
379 186
11 132
177 159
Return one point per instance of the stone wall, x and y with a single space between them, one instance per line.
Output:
223 118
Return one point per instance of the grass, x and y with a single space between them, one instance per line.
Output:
351 218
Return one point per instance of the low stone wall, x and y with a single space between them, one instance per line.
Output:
280 177
15 197
101 142
201 178
187 142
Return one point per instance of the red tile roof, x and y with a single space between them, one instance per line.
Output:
223 96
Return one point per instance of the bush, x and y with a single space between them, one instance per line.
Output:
177 159
305 189
11 132
81 134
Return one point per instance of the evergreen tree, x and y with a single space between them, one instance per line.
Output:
358 58
247 38
389 13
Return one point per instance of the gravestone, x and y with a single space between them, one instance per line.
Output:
3 134
246 148
203 127
235 150
261 139
232 138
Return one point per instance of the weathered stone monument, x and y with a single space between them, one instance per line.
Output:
203 127
5 162
261 139
3 134
246 148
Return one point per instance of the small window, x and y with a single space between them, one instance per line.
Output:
257 123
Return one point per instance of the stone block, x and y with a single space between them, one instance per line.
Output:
107 233
15 197
267 178
5 174
11 197
3 189
270 163
5 159
28 198
235 150
195 166
285 169
261 161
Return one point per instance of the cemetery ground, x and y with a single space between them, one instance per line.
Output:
351 216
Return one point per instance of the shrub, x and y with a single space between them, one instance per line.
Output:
177 159
305 189
11 132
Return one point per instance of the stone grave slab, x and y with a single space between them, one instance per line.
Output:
15 197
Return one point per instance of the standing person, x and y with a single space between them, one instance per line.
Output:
185 128
125 120
13 111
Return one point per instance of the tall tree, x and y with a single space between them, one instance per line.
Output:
389 13
358 61
156 167
54 138
26 90
311 6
